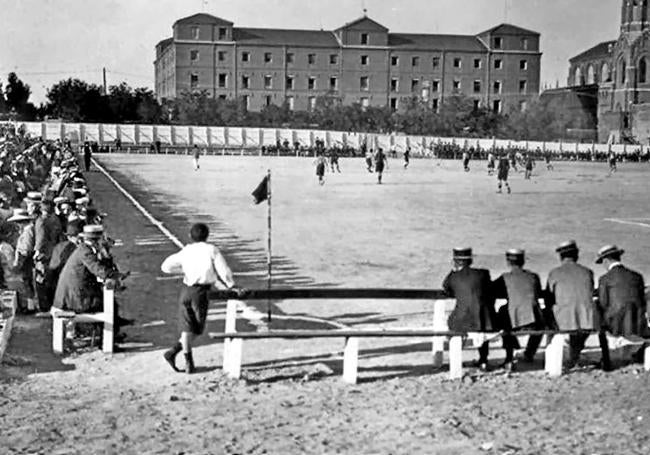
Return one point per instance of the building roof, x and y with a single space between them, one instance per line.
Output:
598 51
435 42
272 36
509 29
363 18
202 18
164 43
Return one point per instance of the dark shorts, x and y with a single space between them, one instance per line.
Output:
503 175
320 169
379 167
193 309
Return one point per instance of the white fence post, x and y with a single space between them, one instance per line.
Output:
230 346
456 357
553 356
439 325
108 334
350 360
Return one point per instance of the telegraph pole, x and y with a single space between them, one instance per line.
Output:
104 78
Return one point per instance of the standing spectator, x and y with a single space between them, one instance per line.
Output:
88 153
47 233
474 310
63 250
196 155
621 301
523 290
202 266
569 299
23 259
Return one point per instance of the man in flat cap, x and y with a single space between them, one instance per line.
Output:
472 289
621 300
569 298
523 290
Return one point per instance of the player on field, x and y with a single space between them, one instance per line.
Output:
196 155
529 164
547 158
503 168
321 165
380 161
466 161
369 160
612 162
334 160
407 156
491 160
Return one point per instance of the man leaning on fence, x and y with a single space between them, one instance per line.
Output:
474 310
569 299
523 290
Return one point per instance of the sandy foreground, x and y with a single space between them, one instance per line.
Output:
291 399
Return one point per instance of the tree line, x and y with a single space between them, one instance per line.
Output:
75 100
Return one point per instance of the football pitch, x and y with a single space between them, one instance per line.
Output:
352 232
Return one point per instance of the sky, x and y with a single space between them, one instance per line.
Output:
45 41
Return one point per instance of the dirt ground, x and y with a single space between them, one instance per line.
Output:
291 399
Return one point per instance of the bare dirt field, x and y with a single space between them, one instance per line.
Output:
349 233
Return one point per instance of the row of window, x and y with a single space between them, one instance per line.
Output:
364 84
363 60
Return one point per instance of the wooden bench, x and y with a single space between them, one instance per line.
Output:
61 318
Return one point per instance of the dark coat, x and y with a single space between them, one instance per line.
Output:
569 294
474 310
522 289
621 302
77 289
60 255
47 233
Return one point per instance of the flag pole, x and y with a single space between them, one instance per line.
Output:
268 243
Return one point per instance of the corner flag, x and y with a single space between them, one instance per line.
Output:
261 193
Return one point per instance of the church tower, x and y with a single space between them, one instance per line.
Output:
635 16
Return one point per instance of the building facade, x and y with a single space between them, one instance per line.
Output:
360 62
620 70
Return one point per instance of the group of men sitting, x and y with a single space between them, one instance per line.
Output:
53 250
569 303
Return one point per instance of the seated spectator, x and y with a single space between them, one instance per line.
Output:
23 259
63 250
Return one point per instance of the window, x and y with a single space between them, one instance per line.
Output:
523 65
415 61
268 100
458 62
606 76
268 82
365 102
245 56
222 33
394 84
222 80
311 83
456 85
312 103
523 105
435 86
622 69
334 59
643 67
524 44
523 86
195 32
291 103
245 82
194 81
247 101
591 73
415 85
498 42
477 105
364 39
364 59
268 57
311 59
290 57
364 83
394 60
290 80
498 64
194 55
393 104
223 97
436 62
477 63
496 106
497 86
334 83
477 86
221 56
435 104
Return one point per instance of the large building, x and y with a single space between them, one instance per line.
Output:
619 71
360 62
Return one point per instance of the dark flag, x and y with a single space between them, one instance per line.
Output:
261 193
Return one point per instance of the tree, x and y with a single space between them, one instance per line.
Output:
17 97
122 103
149 110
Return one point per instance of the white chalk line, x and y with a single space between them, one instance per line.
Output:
250 311
632 223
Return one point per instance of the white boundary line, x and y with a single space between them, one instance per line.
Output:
633 223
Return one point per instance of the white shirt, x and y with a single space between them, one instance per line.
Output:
200 263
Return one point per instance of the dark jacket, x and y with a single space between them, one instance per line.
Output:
77 289
47 233
622 304
60 255
569 294
522 289
474 310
